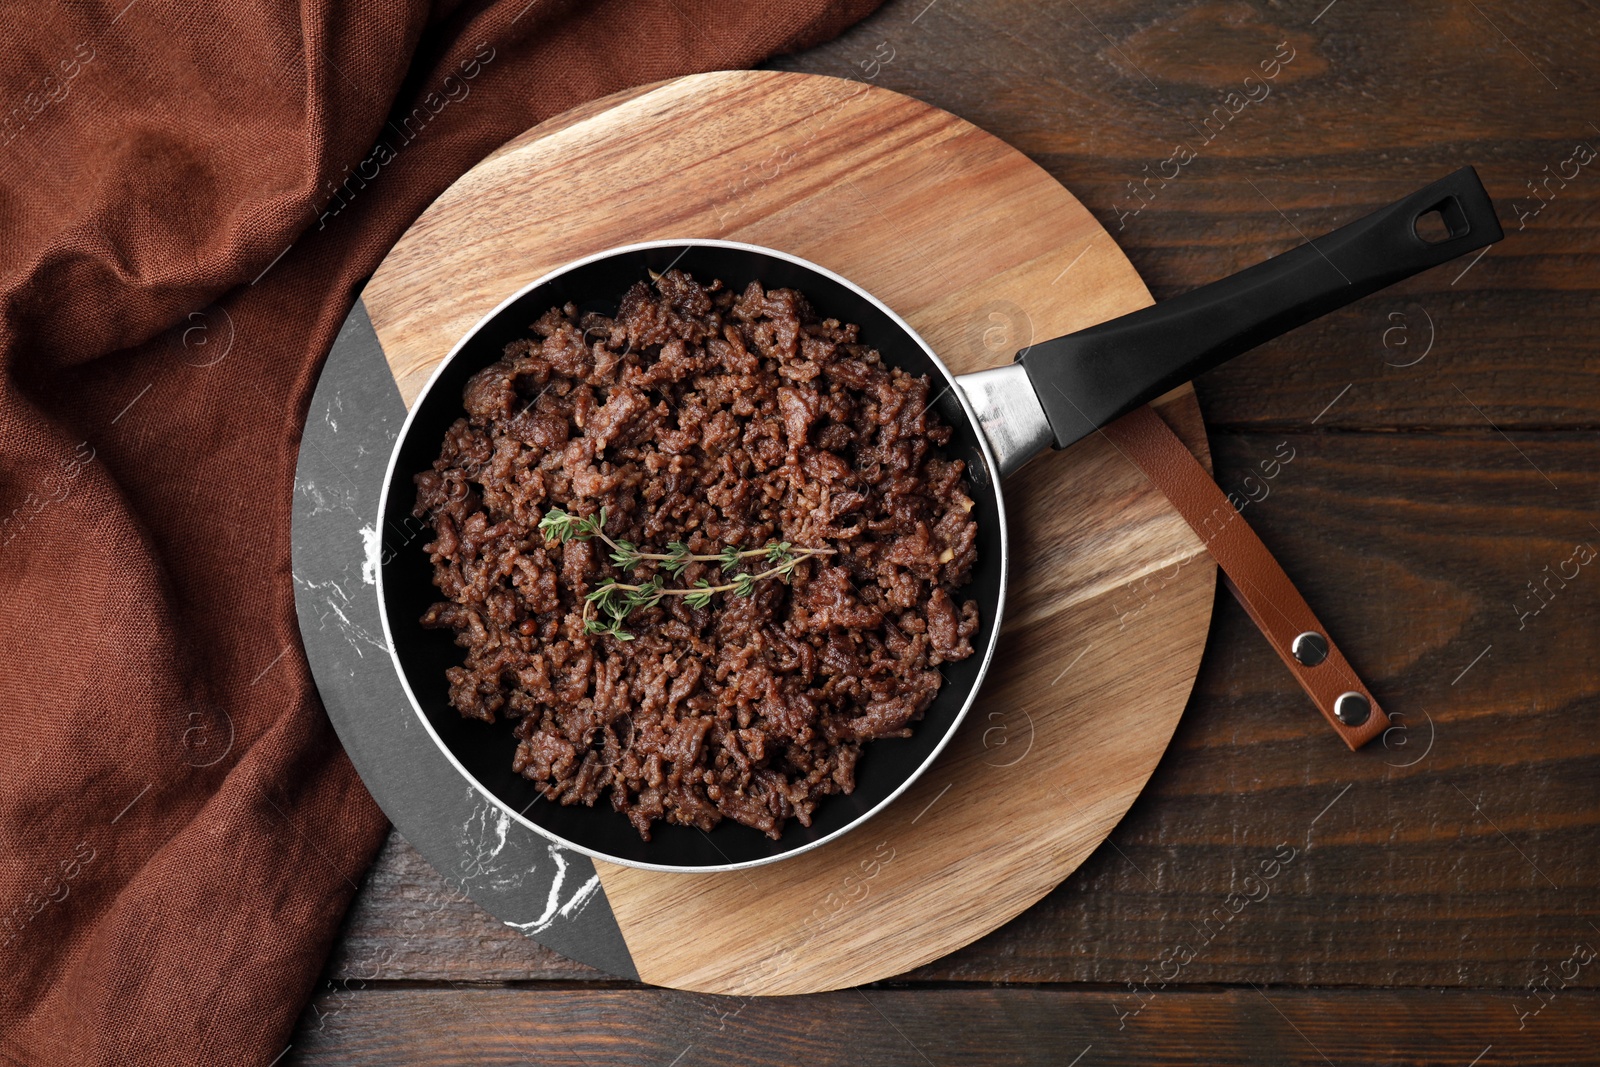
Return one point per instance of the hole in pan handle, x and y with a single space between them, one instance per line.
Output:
1087 379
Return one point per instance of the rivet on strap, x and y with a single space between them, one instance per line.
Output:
1254 576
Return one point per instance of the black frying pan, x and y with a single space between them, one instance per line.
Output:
1057 392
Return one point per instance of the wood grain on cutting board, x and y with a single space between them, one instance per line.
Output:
981 252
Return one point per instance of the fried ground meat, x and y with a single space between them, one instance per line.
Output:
716 419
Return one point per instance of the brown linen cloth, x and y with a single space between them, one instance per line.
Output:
180 832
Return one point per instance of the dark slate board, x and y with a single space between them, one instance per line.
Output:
550 893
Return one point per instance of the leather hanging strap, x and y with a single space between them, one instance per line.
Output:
1253 575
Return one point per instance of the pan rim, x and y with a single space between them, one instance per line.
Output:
991 474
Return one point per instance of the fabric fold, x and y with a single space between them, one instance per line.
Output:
180 238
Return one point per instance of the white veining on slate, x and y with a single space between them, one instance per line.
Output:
554 908
337 603
371 553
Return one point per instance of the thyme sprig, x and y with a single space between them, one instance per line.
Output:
610 604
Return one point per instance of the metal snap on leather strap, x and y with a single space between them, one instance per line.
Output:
1310 648
1352 708
1268 595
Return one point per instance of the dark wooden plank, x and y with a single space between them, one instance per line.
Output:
948 1027
1475 867
1413 548
1371 106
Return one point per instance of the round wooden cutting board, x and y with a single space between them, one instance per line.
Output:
982 253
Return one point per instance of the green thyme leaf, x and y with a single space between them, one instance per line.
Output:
649 593
677 560
730 558
557 524
626 556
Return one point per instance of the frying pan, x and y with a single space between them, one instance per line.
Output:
1056 393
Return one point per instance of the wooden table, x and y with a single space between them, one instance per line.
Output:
1432 897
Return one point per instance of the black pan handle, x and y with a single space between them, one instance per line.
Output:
1089 378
